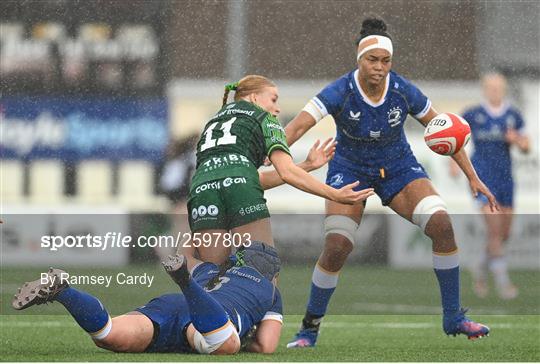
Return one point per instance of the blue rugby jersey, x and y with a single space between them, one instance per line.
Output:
248 297
491 157
371 135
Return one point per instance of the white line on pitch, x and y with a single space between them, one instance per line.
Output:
333 325
416 309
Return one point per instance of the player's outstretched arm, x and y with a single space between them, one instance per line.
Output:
297 177
318 156
299 126
266 338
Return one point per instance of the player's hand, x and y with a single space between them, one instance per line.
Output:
320 154
511 136
478 186
348 196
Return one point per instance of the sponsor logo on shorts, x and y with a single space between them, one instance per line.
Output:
213 210
336 180
204 211
251 209
417 169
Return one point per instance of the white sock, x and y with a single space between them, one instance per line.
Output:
499 268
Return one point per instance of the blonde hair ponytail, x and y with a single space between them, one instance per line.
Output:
246 86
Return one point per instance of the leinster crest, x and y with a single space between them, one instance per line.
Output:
394 116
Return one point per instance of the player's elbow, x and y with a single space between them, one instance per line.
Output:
286 175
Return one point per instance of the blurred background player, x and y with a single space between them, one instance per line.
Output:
227 191
369 106
175 177
204 319
496 126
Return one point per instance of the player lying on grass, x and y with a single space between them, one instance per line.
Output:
217 308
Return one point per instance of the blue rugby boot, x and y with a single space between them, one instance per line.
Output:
460 324
307 336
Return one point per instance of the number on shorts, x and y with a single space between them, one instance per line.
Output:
227 137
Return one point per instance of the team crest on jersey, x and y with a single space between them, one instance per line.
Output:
354 115
375 134
336 180
231 106
394 116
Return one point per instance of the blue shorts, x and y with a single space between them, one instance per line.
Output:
395 178
503 192
170 315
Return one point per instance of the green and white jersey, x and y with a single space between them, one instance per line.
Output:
236 141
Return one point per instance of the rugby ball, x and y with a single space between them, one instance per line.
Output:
447 133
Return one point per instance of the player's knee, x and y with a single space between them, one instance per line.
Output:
337 245
440 227
226 341
431 211
117 341
113 342
230 346
339 231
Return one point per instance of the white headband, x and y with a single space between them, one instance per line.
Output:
373 42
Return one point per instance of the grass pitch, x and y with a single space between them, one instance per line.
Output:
377 314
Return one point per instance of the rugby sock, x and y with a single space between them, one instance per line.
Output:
207 314
499 268
446 266
87 310
479 270
323 285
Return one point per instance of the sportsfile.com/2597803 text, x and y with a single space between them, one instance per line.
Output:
120 240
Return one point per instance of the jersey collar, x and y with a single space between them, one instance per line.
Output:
364 96
496 112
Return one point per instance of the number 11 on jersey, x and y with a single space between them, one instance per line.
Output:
227 137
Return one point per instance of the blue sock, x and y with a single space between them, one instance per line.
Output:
447 271
206 313
323 285
87 311
319 298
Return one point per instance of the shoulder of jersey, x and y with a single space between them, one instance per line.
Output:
514 110
398 82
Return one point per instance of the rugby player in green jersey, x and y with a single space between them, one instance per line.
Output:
226 205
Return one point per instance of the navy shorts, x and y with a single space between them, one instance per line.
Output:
395 178
170 315
503 192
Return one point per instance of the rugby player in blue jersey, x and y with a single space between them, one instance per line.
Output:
496 126
218 307
369 106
